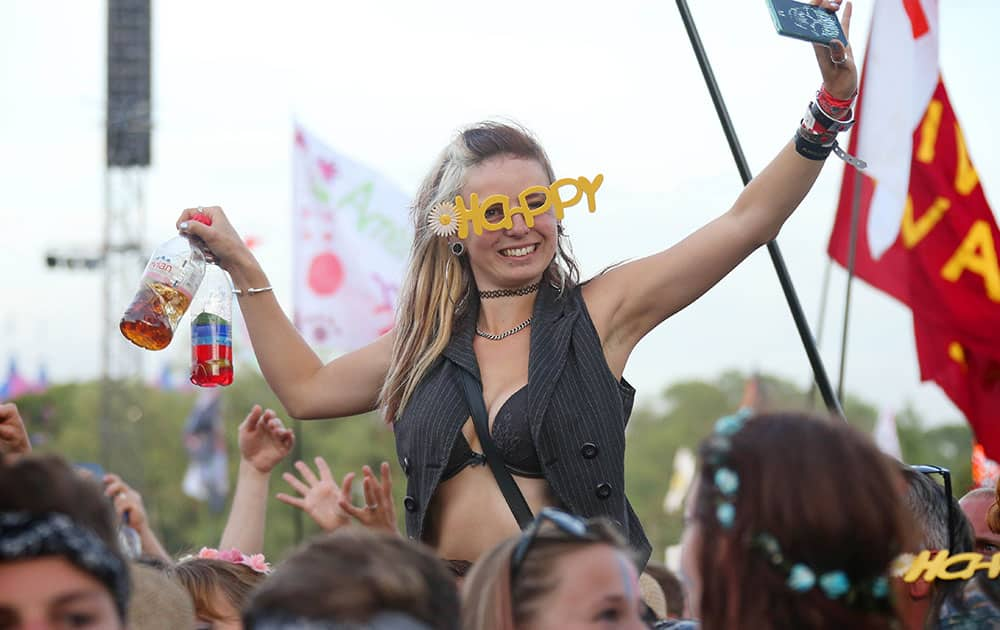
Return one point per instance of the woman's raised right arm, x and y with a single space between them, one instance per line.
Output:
307 389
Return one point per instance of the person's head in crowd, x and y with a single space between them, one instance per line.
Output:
354 575
993 516
782 529
563 572
158 602
218 587
927 505
46 483
60 565
673 590
976 506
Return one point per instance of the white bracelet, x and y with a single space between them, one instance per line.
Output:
252 291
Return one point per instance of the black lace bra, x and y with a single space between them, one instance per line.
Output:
512 435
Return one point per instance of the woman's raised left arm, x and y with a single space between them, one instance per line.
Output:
629 301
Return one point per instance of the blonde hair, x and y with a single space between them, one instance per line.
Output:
438 285
491 600
205 578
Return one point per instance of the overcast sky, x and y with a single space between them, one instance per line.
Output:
608 87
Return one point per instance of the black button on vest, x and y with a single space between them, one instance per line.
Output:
406 465
589 450
410 504
603 490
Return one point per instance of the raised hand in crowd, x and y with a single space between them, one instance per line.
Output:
263 439
320 497
131 511
13 435
264 442
379 512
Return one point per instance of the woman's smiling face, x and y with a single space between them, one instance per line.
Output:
521 254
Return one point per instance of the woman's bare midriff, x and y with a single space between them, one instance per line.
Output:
469 516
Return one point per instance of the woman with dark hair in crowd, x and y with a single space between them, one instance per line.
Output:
563 572
60 565
792 522
501 304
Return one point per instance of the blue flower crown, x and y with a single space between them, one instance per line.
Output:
868 594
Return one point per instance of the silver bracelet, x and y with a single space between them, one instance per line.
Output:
251 291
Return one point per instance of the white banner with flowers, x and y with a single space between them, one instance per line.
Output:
351 239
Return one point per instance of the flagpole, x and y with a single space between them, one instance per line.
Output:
821 321
851 250
819 372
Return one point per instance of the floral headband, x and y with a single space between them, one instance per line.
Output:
868 594
255 562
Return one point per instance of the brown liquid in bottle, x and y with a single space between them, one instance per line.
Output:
152 316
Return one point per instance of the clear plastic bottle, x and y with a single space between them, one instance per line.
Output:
172 276
212 330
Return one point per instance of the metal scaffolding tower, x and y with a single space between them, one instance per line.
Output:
128 126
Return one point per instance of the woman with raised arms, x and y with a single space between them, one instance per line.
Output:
506 306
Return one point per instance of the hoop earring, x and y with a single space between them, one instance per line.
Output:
457 248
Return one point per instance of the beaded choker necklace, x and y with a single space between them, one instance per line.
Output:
498 293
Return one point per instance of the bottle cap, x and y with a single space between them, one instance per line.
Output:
201 218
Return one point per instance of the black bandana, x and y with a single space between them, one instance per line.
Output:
24 536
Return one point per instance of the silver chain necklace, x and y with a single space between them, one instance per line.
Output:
504 334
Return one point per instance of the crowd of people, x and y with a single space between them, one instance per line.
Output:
503 382
827 551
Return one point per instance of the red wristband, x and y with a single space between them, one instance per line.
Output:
839 108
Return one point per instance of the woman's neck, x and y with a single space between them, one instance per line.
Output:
502 309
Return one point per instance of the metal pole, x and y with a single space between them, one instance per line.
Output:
820 322
852 249
832 403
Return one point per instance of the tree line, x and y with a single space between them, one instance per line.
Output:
146 441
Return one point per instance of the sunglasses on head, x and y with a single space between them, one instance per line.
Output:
566 523
946 475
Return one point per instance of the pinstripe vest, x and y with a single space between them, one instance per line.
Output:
577 413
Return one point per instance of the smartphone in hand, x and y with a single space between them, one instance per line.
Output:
806 22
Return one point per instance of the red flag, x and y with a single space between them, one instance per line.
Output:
927 236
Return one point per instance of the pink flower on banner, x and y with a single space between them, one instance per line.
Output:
327 169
